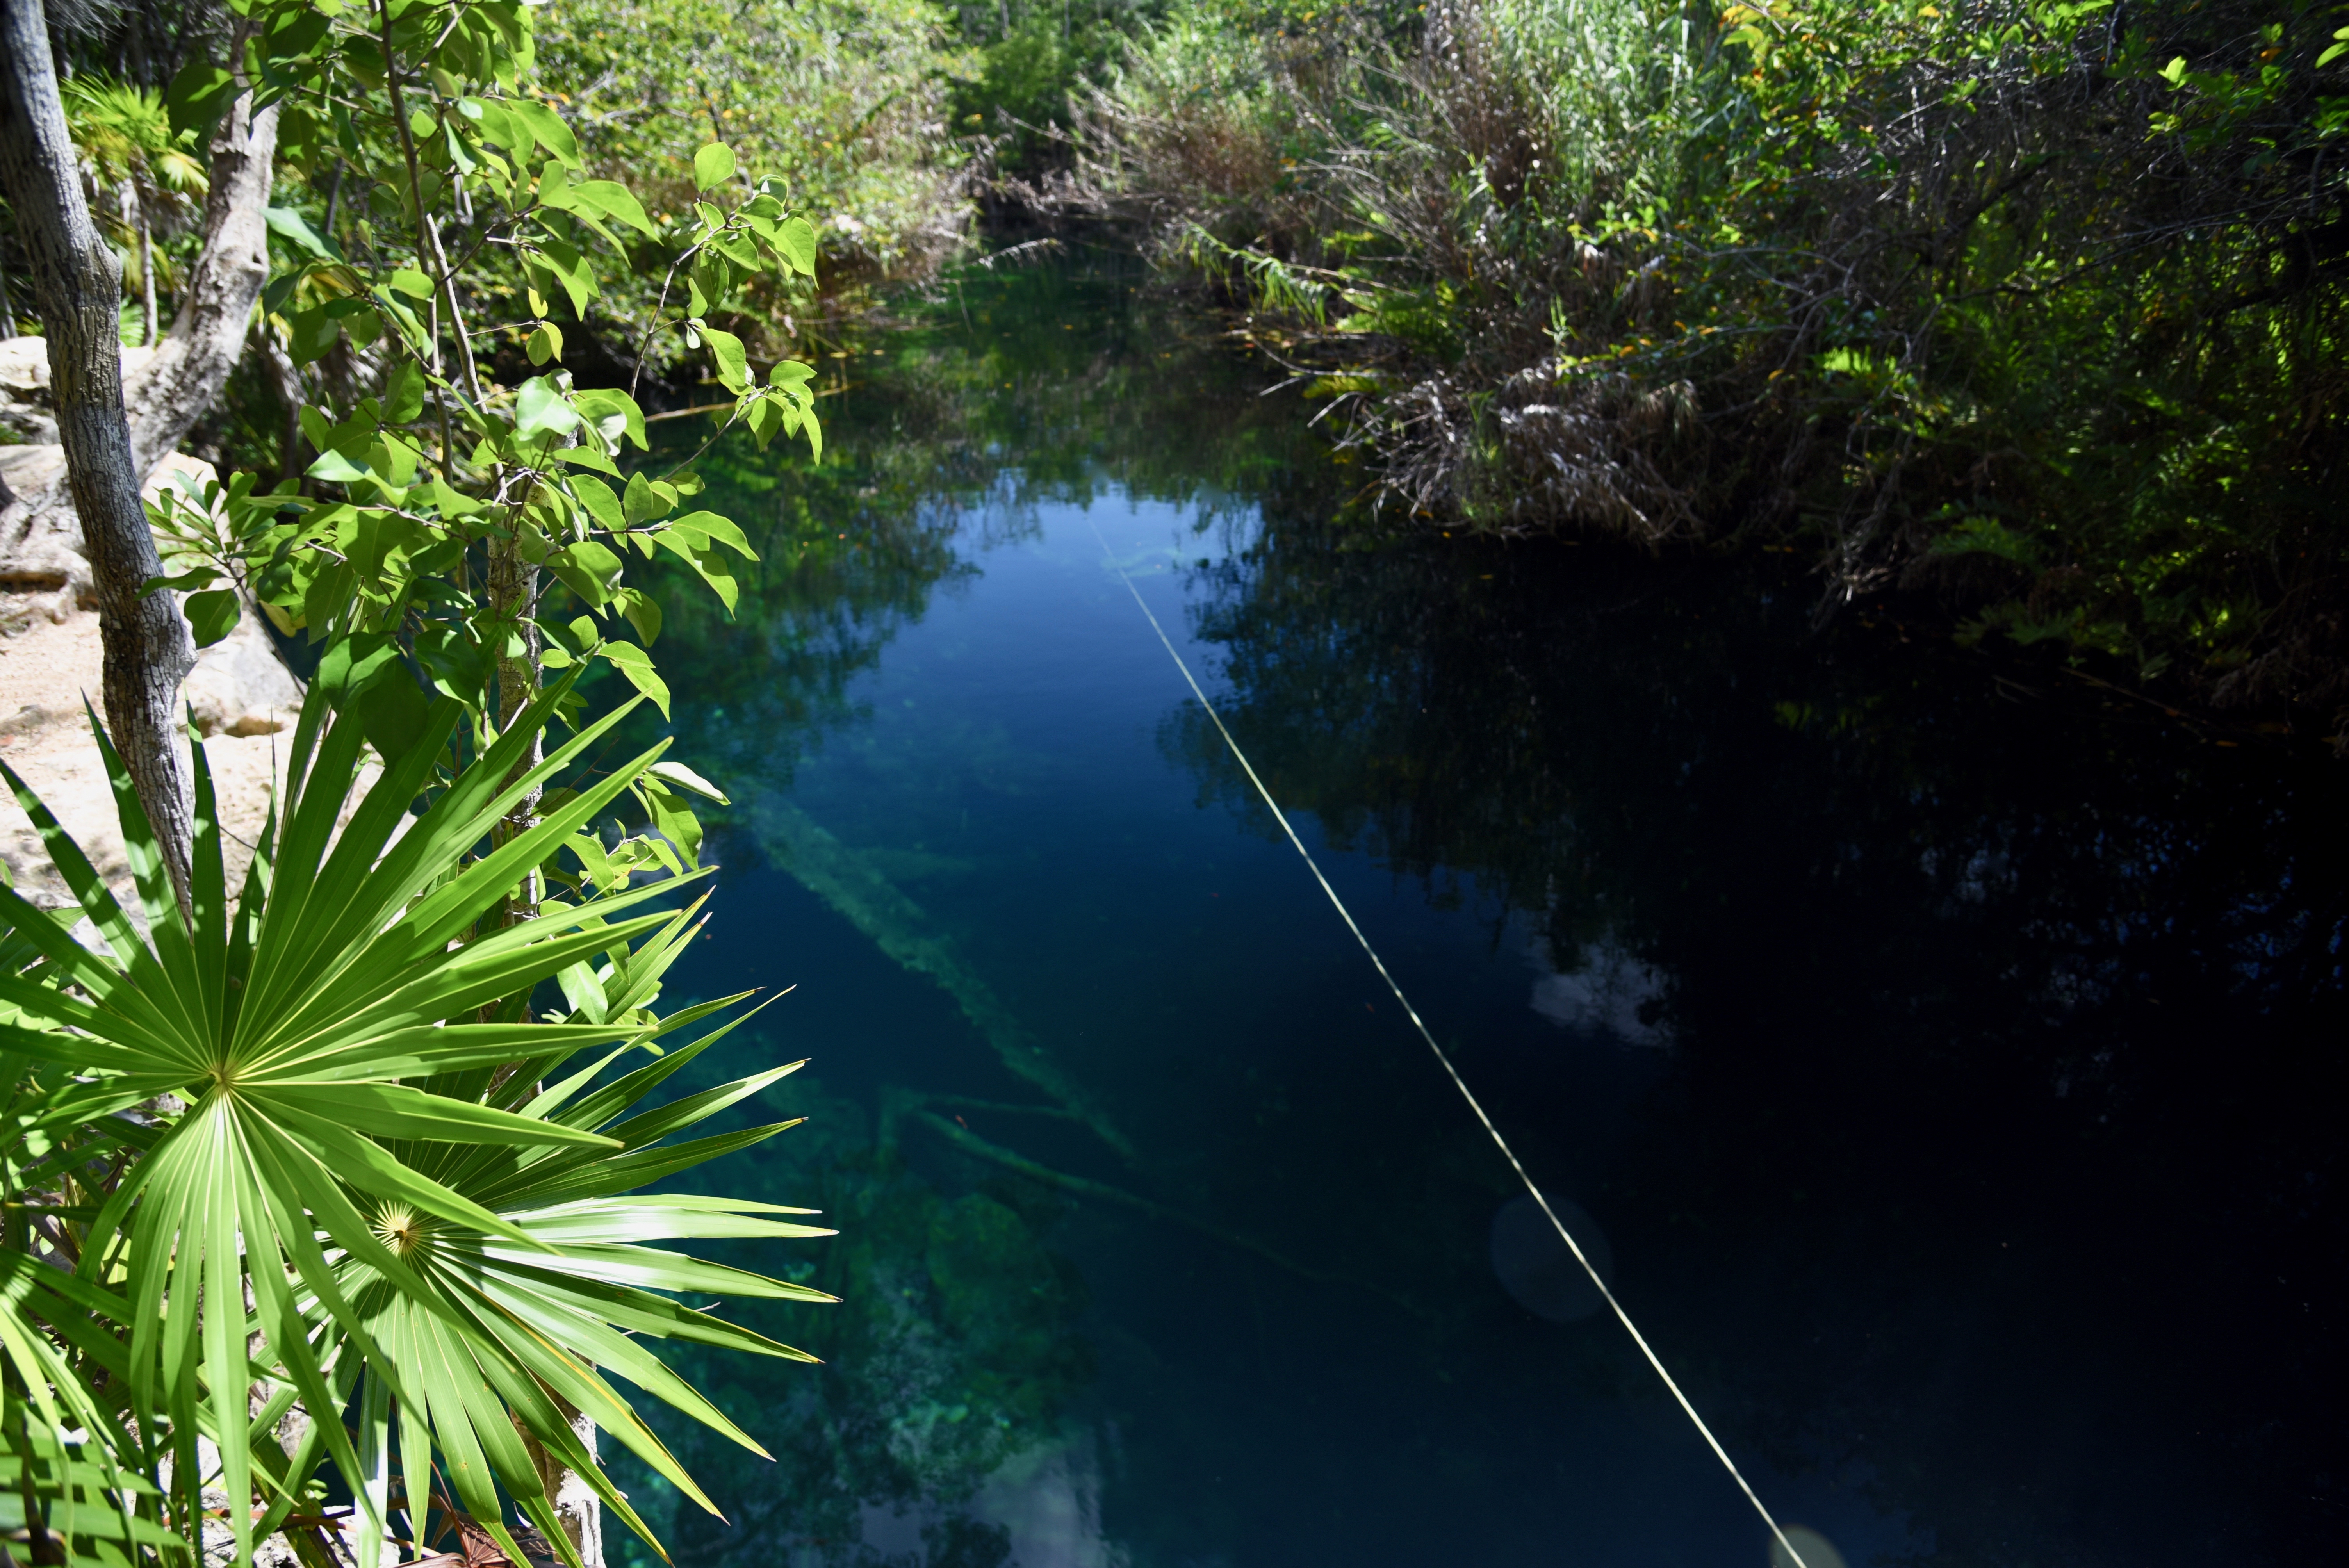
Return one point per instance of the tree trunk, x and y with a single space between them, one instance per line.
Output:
513 597
78 282
577 1507
149 329
193 361
282 371
39 536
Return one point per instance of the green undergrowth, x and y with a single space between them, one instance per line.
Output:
2036 308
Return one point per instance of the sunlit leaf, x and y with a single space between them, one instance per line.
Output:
540 410
713 165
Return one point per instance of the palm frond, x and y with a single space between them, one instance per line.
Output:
350 1181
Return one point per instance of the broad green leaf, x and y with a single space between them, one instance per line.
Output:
709 525
570 267
713 165
292 225
366 676
684 777
498 126
616 414
637 666
643 613
708 563
584 574
546 127
313 332
612 197
540 410
645 501
765 418
453 503
795 238
403 393
733 365
601 504
198 96
211 614
336 469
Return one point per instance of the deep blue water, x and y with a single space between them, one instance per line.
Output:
1948 1061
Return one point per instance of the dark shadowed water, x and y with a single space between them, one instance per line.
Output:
1946 1060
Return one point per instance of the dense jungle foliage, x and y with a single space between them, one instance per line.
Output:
2036 306
341 1145
2028 309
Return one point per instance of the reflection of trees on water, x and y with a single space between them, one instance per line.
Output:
1004 391
940 1402
1983 1017
1981 1009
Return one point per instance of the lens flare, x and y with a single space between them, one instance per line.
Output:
1536 1267
1818 1551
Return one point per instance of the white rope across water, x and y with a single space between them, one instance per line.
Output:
1445 1058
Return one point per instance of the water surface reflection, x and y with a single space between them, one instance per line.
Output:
1952 1075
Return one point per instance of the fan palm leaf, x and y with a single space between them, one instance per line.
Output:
125 137
357 1189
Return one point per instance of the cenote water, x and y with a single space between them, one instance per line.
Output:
1942 1058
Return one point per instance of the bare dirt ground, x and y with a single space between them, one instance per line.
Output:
45 738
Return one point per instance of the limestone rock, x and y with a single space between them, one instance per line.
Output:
40 532
239 687
50 659
23 365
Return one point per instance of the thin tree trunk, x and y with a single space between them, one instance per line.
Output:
153 329
77 280
288 378
577 1507
514 593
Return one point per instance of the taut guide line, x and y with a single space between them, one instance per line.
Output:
1445 1058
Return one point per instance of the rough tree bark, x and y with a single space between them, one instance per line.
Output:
192 363
577 1507
78 282
188 368
149 329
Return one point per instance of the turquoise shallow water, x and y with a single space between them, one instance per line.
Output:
1947 1068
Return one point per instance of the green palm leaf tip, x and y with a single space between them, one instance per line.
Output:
345 1205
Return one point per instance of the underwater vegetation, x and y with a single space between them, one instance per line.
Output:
961 1357
848 882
